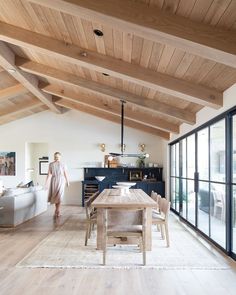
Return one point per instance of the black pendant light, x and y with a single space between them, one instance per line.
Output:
122 140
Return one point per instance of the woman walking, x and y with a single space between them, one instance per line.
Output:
57 176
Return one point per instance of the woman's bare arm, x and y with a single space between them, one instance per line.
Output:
66 178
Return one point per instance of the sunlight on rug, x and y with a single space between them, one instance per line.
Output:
64 248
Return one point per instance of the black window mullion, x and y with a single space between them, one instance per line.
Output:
195 174
180 179
209 177
229 186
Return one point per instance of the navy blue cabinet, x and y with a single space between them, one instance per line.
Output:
91 185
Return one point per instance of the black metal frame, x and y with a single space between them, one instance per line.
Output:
228 115
41 172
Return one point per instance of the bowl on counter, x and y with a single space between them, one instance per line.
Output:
100 178
124 190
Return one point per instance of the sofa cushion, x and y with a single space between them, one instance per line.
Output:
20 190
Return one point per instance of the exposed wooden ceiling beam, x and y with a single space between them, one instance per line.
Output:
16 109
71 79
29 81
111 117
140 117
115 67
12 91
151 23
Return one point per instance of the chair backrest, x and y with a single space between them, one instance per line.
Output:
87 204
156 197
164 207
124 217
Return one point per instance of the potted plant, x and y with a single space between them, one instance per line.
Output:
141 161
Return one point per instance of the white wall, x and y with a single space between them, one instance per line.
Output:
77 136
203 116
34 151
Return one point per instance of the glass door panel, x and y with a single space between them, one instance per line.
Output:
218 210
191 156
191 202
203 207
217 151
177 159
177 194
203 154
234 219
172 170
184 158
184 198
172 192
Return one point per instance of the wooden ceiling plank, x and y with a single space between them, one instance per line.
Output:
140 117
29 81
12 91
23 114
14 110
111 117
71 79
113 66
153 24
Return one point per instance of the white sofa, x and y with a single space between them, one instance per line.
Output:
21 204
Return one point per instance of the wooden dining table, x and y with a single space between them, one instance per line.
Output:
116 199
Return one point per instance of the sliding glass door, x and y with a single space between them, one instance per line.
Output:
202 181
203 191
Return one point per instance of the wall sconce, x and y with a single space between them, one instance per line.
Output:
102 147
142 147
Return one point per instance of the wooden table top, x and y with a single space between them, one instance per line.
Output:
113 198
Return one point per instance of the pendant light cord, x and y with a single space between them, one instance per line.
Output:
122 126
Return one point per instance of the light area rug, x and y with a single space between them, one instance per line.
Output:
64 248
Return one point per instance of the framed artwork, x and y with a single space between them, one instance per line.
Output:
7 163
135 175
43 167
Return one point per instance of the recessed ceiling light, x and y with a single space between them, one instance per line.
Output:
98 32
105 74
11 70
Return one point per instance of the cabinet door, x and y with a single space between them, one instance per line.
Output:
158 187
142 185
103 185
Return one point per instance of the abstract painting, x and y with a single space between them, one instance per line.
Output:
7 163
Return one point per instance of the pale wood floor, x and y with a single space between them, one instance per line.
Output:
16 243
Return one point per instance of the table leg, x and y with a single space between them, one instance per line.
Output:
100 227
149 230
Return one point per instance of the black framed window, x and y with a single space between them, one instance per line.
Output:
203 190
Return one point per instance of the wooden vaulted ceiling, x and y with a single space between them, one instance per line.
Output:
167 58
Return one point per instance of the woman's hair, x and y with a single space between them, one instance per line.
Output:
57 153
